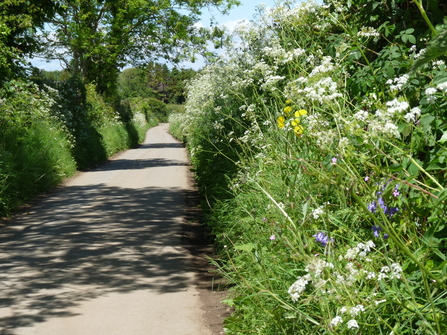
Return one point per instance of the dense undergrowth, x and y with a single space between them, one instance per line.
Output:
320 149
47 133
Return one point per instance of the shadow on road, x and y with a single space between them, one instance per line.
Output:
87 241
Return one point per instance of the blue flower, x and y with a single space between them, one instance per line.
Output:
322 238
372 207
376 229
390 211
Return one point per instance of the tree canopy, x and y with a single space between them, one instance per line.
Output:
154 81
94 38
18 22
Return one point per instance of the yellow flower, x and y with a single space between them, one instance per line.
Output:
288 102
287 110
295 122
298 130
301 112
281 122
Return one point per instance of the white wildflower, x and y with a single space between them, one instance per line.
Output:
391 129
368 32
430 91
370 275
316 213
397 106
413 114
317 266
336 321
361 115
396 84
356 310
431 99
343 143
298 287
352 253
352 324
442 87
396 271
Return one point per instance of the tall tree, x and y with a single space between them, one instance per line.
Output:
94 38
18 22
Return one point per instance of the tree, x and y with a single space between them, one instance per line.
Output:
18 22
94 38
156 81
133 83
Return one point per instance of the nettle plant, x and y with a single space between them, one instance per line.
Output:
320 110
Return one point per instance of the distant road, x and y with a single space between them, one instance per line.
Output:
102 254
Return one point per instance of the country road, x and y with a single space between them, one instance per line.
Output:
103 253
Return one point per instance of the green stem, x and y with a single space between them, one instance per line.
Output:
392 234
424 15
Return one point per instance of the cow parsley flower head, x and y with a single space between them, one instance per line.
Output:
368 32
336 321
352 324
430 91
316 213
298 287
413 114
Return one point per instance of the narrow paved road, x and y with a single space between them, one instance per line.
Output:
102 254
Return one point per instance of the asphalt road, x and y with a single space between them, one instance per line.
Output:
101 255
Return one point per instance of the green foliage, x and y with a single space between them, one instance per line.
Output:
436 49
34 145
98 37
133 83
321 154
18 23
149 107
154 81
47 134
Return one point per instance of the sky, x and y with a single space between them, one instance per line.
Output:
246 11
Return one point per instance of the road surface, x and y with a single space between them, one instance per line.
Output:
102 254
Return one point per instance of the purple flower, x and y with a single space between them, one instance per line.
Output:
366 178
376 229
334 161
273 237
390 211
385 236
322 238
396 192
372 207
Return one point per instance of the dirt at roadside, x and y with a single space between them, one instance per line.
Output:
199 242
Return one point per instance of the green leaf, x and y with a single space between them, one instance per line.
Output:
396 167
304 209
413 169
436 48
443 138
426 121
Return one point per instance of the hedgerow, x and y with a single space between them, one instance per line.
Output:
46 134
319 145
